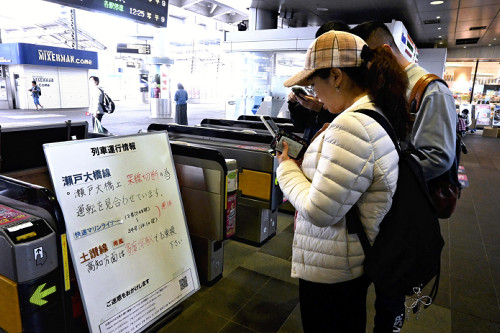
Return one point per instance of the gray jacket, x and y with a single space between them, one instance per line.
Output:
434 130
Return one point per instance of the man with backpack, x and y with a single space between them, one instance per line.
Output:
36 92
434 128
96 107
433 134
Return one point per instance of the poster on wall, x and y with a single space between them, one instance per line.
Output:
496 115
126 228
483 114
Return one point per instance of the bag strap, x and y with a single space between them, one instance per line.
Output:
419 89
353 222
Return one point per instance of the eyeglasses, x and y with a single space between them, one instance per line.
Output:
310 90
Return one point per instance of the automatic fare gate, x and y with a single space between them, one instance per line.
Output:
257 207
208 185
31 288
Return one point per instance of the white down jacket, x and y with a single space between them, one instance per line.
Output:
352 162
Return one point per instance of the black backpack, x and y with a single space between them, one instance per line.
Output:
107 104
407 251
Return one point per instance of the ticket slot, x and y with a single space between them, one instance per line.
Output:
28 231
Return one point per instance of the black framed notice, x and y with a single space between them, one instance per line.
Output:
153 12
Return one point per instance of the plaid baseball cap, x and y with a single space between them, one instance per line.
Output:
332 49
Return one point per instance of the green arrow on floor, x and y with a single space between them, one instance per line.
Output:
38 295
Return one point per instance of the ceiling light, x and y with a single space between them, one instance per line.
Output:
440 42
489 44
438 17
495 38
322 9
436 2
440 36
465 47
439 28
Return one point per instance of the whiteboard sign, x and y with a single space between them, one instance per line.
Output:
126 228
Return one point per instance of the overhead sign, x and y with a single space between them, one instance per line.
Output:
126 228
134 48
154 12
32 54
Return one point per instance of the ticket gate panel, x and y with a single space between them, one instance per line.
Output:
255 184
210 258
10 315
199 178
203 207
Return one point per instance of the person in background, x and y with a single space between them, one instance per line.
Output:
434 129
306 111
352 162
95 106
35 93
181 97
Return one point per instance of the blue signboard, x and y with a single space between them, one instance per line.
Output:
41 55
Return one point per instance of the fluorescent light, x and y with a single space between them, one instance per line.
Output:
436 3
438 17
322 9
439 28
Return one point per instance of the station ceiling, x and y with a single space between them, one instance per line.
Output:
452 24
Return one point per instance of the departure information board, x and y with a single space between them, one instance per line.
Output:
154 12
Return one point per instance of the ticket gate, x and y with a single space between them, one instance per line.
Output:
56 314
208 185
256 213
30 284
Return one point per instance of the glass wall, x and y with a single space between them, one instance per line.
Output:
255 78
460 79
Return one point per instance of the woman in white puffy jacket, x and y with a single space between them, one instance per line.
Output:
352 162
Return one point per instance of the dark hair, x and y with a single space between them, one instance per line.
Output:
180 86
34 82
332 25
95 78
387 82
368 29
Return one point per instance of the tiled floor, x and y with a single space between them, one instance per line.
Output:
256 293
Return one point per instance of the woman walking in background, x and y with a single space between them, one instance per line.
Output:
181 97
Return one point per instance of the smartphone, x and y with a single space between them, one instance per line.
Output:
299 91
296 145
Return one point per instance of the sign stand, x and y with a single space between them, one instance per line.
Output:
126 228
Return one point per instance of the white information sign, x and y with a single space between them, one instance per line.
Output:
126 228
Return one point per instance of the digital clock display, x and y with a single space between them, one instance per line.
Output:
154 12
